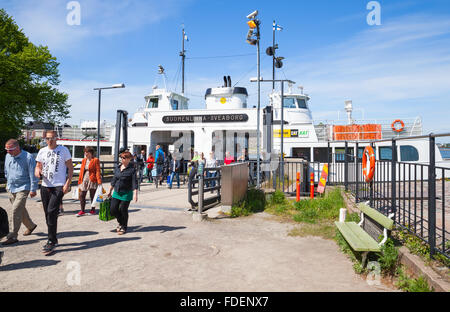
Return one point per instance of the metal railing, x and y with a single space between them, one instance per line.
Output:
200 184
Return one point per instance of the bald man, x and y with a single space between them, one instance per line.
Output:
21 182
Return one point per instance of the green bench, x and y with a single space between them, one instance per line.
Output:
363 237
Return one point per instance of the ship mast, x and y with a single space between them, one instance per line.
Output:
183 56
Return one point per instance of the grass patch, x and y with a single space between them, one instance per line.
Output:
407 284
254 201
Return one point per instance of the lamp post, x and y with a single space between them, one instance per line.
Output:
282 118
254 23
115 86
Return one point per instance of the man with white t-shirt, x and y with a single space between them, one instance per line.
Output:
52 163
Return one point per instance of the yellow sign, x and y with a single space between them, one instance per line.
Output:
223 100
291 133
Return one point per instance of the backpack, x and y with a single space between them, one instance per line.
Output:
4 223
160 160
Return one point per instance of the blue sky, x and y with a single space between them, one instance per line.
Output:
399 69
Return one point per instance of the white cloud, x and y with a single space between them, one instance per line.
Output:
44 21
400 67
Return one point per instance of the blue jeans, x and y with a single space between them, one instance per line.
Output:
211 174
172 176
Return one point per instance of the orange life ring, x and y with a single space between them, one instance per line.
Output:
402 124
368 173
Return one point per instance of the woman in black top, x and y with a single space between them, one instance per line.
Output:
123 184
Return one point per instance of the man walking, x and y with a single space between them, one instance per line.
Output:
175 165
21 182
52 162
159 156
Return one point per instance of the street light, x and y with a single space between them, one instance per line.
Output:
253 24
282 117
114 86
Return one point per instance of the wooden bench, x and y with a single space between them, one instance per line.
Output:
363 237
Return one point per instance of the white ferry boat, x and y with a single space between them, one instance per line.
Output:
227 124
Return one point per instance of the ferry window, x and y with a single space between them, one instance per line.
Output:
301 103
408 153
79 152
302 152
339 155
360 153
153 103
70 148
174 104
105 150
385 153
320 154
289 103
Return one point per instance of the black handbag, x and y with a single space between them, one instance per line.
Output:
4 223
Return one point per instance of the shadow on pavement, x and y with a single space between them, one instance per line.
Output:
28 265
70 234
161 228
94 244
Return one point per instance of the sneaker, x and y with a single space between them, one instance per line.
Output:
48 248
92 212
10 241
80 213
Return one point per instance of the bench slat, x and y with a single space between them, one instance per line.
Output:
377 216
356 237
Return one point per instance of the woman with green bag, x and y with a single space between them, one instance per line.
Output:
123 184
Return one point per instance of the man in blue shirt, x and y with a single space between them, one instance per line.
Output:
21 182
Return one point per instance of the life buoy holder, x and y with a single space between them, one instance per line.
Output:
369 154
402 125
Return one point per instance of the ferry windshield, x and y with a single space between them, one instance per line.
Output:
289 103
301 103
153 103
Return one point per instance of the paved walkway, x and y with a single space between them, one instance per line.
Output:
165 250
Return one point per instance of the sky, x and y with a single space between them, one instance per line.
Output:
399 69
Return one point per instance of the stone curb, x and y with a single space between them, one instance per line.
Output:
418 268
413 262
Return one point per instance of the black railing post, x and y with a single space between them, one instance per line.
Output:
371 183
346 166
328 162
432 197
394 179
356 174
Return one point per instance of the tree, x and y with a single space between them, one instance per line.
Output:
28 76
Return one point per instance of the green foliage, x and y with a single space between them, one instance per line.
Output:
353 217
405 283
278 198
254 201
325 208
388 258
419 247
28 77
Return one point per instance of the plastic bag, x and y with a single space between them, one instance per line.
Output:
99 197
75 194
105 211
154 172
145 172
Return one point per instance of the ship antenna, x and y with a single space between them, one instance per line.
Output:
161 71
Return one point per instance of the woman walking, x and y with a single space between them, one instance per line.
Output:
90 178
123 184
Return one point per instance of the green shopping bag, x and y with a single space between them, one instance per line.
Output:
105 211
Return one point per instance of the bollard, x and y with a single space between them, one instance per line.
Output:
311 195
342 214
298 186
200 216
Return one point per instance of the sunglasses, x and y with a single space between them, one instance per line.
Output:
50 139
